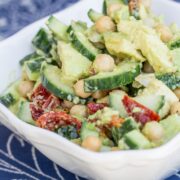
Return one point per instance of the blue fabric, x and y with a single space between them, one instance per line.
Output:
18 159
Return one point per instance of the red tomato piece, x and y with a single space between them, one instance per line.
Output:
138 111
51 103
36 111
53 120
94 107
40 95
42 101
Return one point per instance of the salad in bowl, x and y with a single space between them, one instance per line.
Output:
112 86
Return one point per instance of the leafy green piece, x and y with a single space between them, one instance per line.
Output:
45 44
174 44
69 132
32 56
171 80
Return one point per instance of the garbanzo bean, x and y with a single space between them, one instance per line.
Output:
67 104
177 92
153 131
92 143
99 94
25 87
104 63
79 110
165 33
105 24
175 108
79 89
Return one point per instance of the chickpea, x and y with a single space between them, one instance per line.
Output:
99 94
67 104
165 33
79 110
92 143
113 7
153 131
147 68
25 87
103 63
104 100
79 89
105 24
175 108
177 92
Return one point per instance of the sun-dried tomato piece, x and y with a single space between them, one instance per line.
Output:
54 120
94 107
40 95
51 103
138 111
42 101
36 111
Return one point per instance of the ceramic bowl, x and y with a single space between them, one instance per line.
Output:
126 165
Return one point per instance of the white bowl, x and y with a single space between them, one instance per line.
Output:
138 165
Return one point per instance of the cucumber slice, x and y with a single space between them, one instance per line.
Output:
136 140
10 96
77 26
93 15
8 99
129 125
83 45
124 74
153 102
74 64
107 3
58 28
53 82
43 42
32 56
115 102
33 67
24 112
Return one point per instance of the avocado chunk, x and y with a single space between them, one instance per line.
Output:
119 46
150 44
74 65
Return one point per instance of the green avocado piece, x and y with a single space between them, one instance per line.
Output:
118 45
74 65
150 44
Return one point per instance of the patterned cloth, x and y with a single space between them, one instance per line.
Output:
14 164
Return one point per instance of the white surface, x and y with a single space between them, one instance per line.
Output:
126 165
